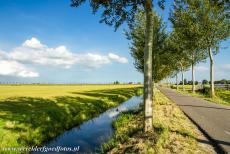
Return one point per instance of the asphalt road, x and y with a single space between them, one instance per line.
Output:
212 119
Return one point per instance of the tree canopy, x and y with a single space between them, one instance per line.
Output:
115 12
201 25
136 32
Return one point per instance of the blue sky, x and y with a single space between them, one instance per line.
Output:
35 34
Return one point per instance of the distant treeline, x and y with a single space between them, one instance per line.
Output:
117 82
223 81
186 82
109 83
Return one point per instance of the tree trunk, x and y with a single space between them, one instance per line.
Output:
148 88
177 82
182 75
193 78
212 91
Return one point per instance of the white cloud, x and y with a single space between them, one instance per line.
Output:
225 67
95 60
34 52
58 56
33 43
92 60
13 68
201 68
3 55
117 58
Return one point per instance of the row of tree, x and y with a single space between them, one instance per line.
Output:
198 28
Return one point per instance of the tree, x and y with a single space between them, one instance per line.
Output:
185 24
116 82
211 20
205 82
115 13
160 58
215 26
177 54
189 83
177 82
185 81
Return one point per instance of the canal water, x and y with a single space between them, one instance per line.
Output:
90 135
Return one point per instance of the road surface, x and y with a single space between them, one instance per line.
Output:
212 119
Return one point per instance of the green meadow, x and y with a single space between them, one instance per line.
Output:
33 114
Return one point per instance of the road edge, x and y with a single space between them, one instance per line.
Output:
217 147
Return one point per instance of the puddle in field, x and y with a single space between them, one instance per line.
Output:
90 135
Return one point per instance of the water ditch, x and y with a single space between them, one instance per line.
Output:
90 135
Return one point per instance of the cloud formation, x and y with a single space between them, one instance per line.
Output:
202 68
41 55
226 67
117 58
34 52
13 68
33 43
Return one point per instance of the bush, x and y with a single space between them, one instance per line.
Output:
205 90
139 91
205 81
173 86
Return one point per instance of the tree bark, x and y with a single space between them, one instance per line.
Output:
212 90
182 75
193 78
177 82
148 88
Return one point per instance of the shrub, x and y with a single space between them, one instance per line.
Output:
205 90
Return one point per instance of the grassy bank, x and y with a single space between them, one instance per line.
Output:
173 132
32 114
222 96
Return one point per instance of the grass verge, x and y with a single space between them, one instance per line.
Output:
222 96
30 121
173 132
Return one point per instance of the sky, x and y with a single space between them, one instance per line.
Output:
48 41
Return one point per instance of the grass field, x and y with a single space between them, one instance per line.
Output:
32 114
50 91
173 132
222 96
